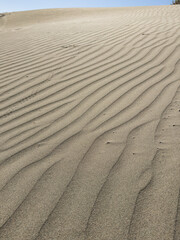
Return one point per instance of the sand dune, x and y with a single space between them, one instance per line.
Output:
90 124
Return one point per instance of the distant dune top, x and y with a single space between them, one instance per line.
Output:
25 18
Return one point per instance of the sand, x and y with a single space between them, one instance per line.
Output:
90 124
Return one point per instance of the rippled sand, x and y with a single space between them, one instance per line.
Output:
90 124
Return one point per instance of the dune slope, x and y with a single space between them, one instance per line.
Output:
90 124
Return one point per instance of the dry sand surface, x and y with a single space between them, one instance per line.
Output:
90 124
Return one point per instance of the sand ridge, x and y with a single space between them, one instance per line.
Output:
90 124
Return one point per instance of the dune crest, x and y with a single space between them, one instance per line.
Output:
90 124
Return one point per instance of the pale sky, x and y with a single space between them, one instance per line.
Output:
21 5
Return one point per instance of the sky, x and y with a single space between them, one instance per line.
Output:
21 5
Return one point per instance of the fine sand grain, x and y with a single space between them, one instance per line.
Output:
90 124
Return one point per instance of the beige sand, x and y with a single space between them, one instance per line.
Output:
90 124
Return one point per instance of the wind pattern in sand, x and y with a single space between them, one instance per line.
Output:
90 124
